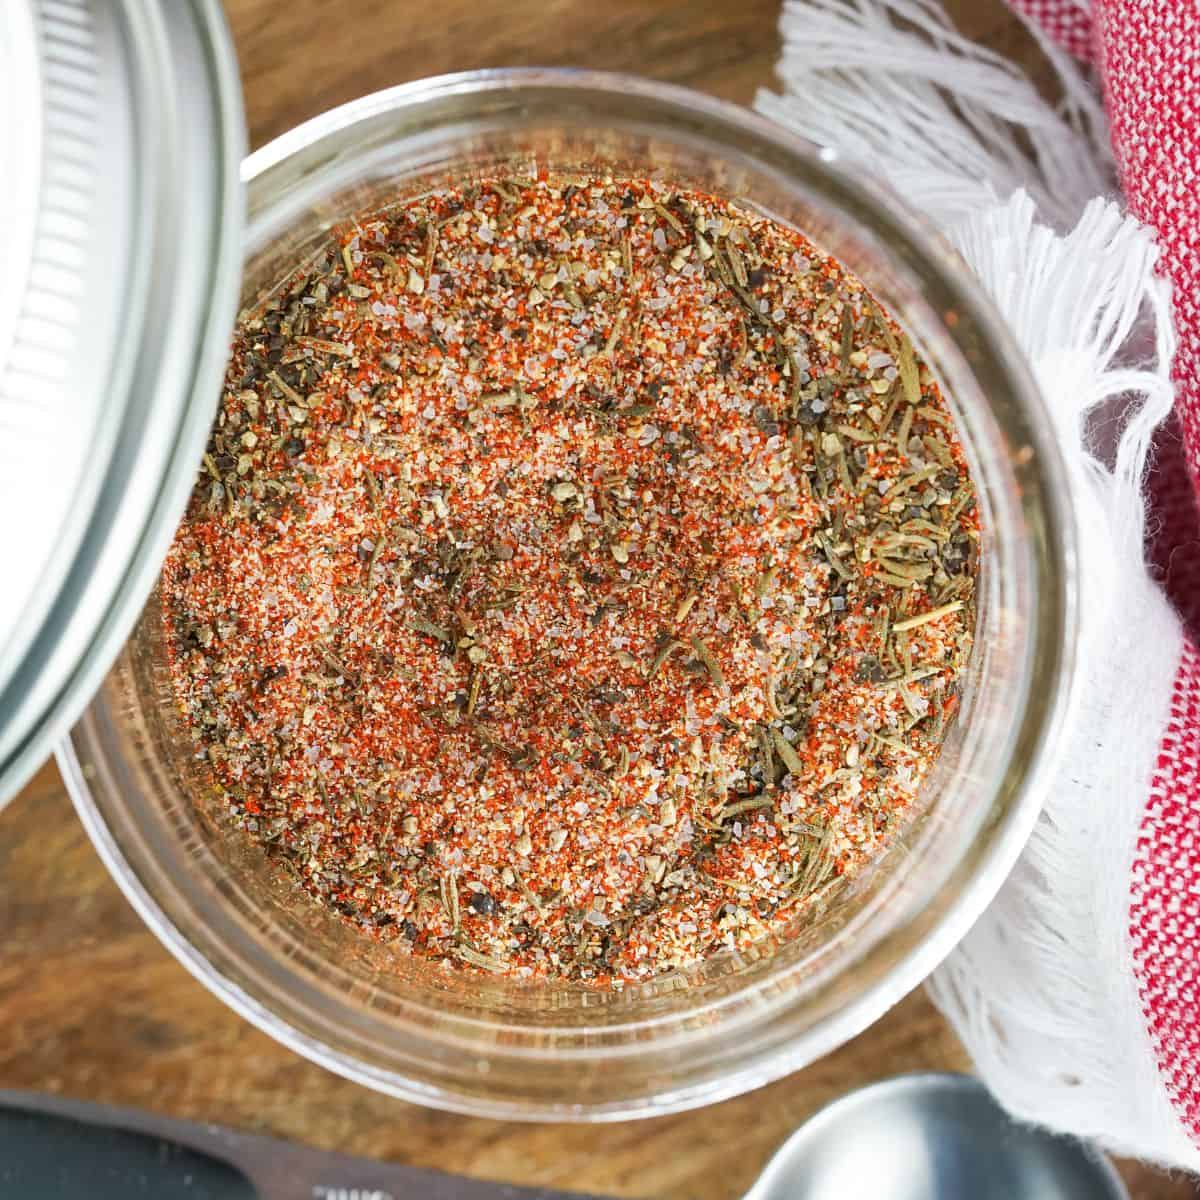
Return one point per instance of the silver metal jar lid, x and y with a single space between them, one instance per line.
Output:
121 138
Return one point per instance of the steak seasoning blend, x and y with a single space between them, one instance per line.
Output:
579 578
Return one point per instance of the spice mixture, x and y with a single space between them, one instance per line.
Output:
579 577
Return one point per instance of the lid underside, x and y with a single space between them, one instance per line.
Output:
121 244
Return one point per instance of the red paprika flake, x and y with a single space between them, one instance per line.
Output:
579 577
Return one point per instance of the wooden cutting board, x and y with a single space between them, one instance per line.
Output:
90 1003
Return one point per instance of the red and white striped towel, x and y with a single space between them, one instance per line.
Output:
1078 992
1148 56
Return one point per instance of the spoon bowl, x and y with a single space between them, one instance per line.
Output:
931 1137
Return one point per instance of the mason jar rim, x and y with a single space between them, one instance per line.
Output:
302 154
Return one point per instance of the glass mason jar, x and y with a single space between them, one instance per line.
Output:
520 1049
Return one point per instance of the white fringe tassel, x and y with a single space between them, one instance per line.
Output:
947 122
1073 303
1042 990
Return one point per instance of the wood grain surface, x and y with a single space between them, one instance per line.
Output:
92 1006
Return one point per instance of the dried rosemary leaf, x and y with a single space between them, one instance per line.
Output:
670 218
934 614
376 551
905 482
910 378
710 663
292 395
483 961
787 753
753 804
663 654
847 344
424 625
885 328
325 346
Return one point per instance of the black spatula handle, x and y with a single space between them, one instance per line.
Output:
54 1148
45 1157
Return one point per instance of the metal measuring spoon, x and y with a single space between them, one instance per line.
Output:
934 1136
